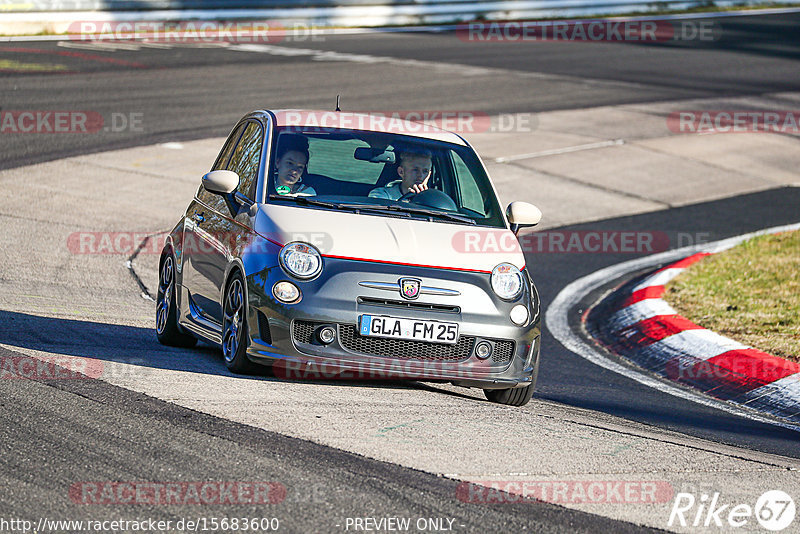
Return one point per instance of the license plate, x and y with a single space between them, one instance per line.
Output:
398 328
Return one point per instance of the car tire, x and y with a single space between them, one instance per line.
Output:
167 330
511 396
234 326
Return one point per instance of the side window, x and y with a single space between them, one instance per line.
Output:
214 200
225 153
246 158
471 197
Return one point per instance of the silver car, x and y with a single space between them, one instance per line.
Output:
338 245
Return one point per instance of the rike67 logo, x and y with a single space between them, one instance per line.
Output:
774 510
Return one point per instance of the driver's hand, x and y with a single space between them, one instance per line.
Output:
418 188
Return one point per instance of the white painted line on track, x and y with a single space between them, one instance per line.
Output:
328 55
440 66
563 150
557 322
172 145
103 46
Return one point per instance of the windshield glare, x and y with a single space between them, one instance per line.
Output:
426 178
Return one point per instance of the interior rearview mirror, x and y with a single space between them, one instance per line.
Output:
375 155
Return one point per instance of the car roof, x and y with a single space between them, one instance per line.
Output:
389 122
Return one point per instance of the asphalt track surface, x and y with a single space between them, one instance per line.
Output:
57 432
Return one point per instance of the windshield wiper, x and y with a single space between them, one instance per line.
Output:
338 205
432 213
374 208
306 200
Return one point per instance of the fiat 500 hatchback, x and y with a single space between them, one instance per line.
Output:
331 244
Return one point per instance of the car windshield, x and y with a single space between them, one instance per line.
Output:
371 173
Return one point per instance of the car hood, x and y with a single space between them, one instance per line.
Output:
389 239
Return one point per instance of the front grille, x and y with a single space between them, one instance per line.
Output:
403 349
303 331
389 303
503 351
263 328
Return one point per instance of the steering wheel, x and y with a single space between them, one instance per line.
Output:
433 198
407 196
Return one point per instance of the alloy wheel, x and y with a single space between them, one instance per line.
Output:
233 318
165 288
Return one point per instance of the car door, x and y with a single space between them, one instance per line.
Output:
214 228
195 265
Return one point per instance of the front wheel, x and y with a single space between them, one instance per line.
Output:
234 327
167 329
511 396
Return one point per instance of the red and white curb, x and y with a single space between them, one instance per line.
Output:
646 330
674 352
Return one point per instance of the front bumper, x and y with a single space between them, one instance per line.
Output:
284 336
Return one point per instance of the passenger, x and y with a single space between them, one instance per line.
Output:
290 166
414 171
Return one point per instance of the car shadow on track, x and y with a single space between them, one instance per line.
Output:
138 347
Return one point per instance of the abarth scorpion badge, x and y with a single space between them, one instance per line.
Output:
409 288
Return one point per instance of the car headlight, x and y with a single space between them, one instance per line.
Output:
301 260
506 281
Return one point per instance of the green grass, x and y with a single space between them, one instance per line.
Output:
750 293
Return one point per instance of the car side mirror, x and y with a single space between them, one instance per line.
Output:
522 214
221 182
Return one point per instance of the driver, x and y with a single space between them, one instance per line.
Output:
290 166
414 171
